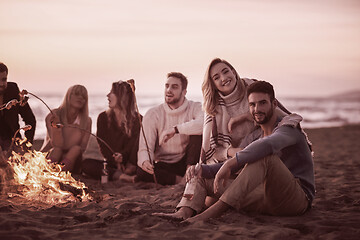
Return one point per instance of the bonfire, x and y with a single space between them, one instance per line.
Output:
30 175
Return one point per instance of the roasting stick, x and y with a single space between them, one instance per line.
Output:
132 85
25 128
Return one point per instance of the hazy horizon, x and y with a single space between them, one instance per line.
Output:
304 48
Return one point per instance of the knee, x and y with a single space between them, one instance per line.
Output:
55 154
56 150
75 149
272 159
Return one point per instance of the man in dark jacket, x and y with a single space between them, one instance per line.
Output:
9 118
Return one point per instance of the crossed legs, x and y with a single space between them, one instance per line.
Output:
266 186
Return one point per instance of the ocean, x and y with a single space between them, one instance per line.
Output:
317 112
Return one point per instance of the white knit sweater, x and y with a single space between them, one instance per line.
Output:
188 118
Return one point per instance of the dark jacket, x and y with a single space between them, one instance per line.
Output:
9 119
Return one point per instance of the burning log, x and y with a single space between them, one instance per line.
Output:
76 192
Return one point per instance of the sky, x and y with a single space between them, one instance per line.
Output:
304 48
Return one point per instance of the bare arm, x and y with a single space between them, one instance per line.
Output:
55 134
147 139
86 136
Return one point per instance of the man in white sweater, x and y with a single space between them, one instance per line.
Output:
172 135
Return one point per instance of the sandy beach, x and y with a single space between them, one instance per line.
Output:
123 210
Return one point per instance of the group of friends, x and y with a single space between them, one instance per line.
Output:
240 149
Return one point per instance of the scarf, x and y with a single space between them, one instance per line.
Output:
216 137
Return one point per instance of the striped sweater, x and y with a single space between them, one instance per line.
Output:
216 136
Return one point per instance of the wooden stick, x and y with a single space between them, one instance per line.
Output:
25 128
131 82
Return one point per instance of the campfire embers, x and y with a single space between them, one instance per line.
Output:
37 179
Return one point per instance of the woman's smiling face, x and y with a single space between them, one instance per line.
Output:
223 78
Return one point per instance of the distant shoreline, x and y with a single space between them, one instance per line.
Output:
38 142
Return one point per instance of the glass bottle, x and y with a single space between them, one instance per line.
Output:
191 184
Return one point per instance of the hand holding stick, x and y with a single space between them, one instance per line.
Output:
25 128
131 82
119 161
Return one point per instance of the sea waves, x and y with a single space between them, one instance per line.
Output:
317 112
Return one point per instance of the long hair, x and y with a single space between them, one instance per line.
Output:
126 103
65 105
209 90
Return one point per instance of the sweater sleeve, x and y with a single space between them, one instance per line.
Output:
194 126
151 134
273 144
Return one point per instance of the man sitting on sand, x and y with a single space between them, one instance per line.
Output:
172 132
277 176
9 118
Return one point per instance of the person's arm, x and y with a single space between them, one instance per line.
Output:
167 134
150 132
28 117
133 144
223 174
231 151
194 126
55 134
209 171
281 138
239 119
102 132
86 135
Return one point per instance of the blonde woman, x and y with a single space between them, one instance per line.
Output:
119 127
67 143
224 99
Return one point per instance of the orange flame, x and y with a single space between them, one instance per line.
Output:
40 180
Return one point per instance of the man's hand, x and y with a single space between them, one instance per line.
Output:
166 135
193 171
223 174
148 167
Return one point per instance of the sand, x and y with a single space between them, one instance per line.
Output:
123 210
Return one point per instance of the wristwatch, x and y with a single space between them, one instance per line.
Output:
176 129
